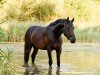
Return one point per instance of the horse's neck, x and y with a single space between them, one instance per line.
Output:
57 30
58 33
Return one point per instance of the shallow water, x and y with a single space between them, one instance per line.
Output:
77 59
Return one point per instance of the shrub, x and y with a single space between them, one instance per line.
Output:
45 10
80 9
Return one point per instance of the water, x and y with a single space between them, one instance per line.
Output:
77 59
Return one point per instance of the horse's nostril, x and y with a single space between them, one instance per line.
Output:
72 39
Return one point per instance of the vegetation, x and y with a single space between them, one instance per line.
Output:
3 35
16 32
45 10
18 15
5 63
89 34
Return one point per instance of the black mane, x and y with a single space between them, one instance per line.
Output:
57 21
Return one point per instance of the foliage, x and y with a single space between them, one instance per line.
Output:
80 9
20 14
23 10
5 62
45 10
88 35
16 32
3 35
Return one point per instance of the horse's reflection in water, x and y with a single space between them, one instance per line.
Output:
31 70
27 72
36 71
50 72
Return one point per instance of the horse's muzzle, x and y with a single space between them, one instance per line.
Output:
72 39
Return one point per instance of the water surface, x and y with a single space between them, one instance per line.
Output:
76 59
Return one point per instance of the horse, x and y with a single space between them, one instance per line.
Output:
48 38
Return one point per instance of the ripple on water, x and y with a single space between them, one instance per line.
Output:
65 68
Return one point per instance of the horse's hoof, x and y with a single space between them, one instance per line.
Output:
58 68
25 65
33 65
50 67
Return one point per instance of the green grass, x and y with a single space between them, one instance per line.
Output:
16 31
5 62
88 34
3 35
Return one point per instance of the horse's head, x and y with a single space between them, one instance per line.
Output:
68 30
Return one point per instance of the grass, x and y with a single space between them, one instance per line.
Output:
88 34
5 62
16 31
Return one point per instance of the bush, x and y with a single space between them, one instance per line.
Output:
28 10
45 10
80 9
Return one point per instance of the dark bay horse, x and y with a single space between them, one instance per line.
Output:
48 38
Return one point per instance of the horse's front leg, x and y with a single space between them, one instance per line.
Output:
50 56
58 53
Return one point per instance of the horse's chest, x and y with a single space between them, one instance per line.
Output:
54 45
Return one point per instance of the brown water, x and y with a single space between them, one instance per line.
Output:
76 59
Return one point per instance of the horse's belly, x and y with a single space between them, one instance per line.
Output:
38 38
40 43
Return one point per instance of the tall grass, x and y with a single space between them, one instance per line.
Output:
90 34
5 63
16 32
3 35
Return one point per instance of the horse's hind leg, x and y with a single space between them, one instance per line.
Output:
27 49
34 54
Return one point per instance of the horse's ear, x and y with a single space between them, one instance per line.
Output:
67 19
72 20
